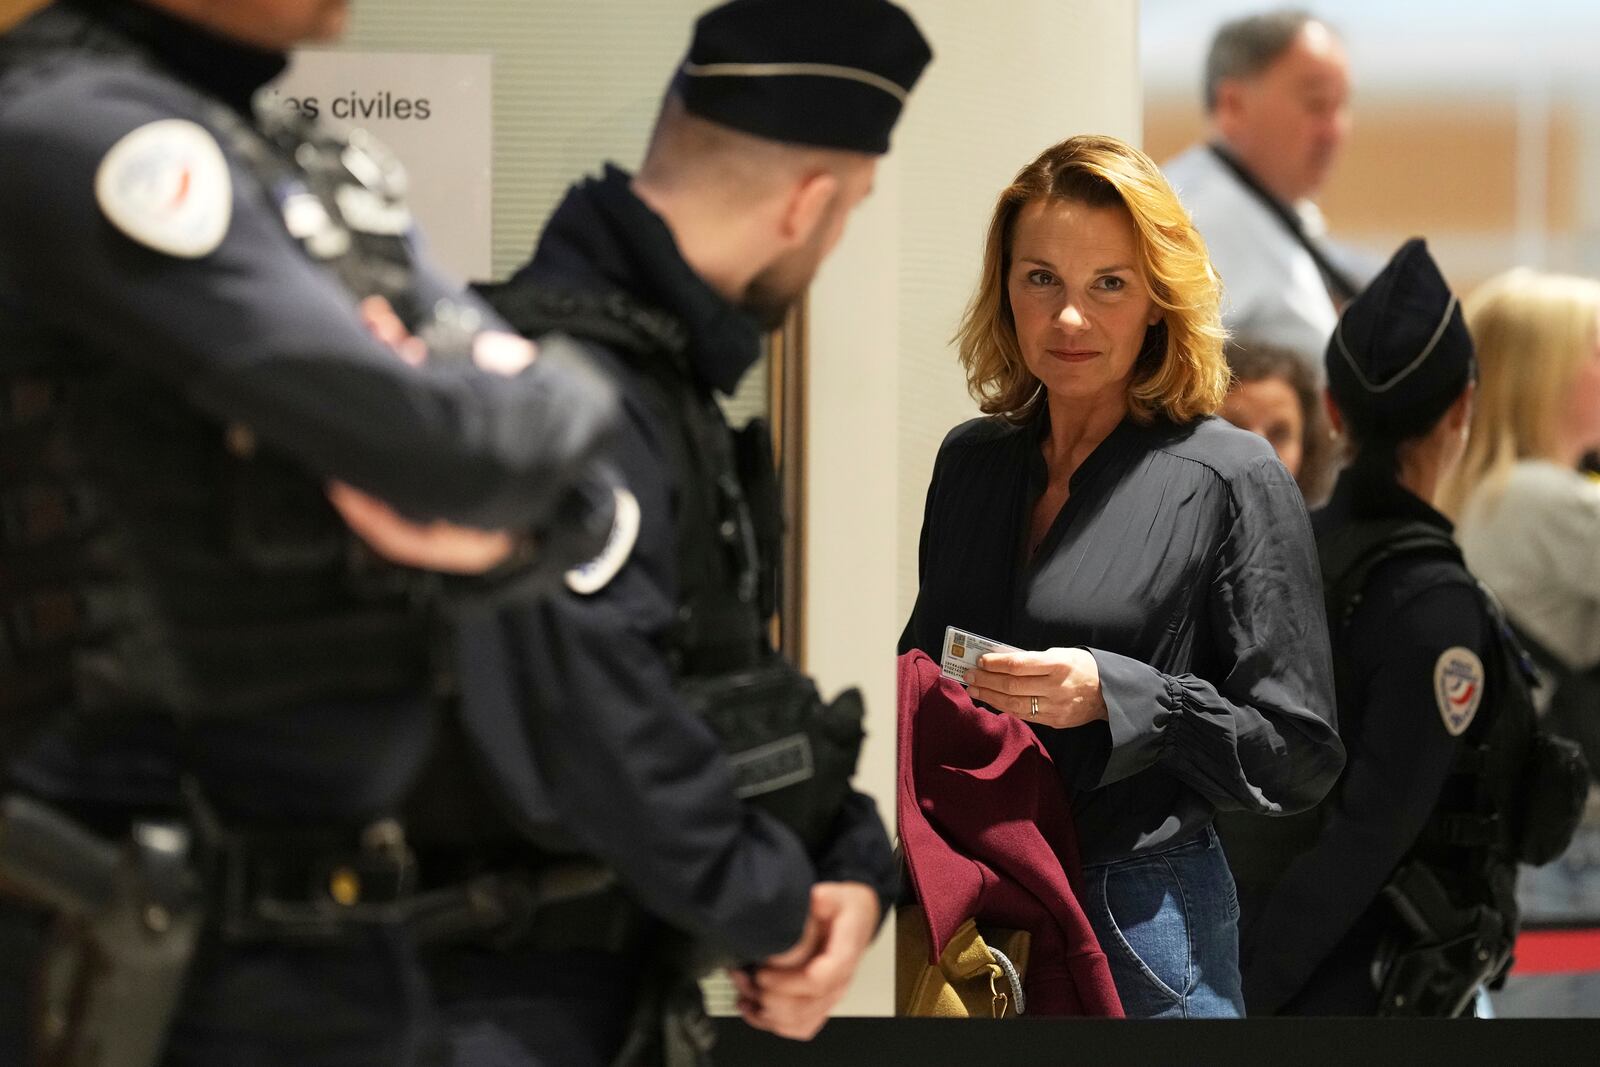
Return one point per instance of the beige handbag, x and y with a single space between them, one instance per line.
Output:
979 975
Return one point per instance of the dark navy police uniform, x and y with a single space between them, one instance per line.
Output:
629 774
187 624
1311 936
618 671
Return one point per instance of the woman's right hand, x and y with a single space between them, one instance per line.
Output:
1059 687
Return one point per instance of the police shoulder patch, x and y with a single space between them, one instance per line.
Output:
1458 679
595 575
167 186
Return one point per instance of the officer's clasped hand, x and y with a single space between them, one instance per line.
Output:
792 994
434 546
1059 687
385 325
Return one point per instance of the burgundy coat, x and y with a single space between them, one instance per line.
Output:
987 832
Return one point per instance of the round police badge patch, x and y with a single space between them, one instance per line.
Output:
595 575
1458 680
166 185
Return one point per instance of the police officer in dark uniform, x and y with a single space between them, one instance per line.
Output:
1399 901
213 701
653 664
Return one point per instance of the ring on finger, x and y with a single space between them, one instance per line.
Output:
1033 707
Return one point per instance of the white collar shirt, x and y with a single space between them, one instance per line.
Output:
1272 291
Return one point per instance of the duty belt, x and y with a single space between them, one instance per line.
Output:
325 887
305 888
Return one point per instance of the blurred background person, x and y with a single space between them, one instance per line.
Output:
1530 518
1277 100
1530 528
1152 565
1275 394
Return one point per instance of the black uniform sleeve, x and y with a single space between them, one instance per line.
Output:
257 333
1259 735
859 851
1397 766
636 778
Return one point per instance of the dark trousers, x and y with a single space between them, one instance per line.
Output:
372 1003
21 937
1342 983
532 1009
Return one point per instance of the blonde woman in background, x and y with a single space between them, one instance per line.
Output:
1529 519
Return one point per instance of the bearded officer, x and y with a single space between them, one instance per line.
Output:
208 312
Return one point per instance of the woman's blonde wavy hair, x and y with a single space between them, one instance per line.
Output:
1532 332
1181 373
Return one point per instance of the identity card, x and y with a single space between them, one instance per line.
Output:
961 651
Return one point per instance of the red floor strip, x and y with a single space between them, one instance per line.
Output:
1557 952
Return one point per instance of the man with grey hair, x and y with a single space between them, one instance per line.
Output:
1277 89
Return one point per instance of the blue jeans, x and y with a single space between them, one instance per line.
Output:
1168 922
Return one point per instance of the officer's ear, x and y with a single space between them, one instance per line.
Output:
1335 419
810 199
1459 416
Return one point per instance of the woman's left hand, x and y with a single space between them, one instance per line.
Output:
1059 687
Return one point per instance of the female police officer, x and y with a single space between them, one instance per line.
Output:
1400 904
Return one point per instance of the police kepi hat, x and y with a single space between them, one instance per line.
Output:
1400 354
829 73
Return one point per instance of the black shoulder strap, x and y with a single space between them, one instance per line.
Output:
1340 285
1551 668
720 569
1349 556
612 319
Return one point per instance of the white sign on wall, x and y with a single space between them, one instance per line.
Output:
436 113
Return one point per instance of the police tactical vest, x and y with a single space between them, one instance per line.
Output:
1487 818
726 584
154 561
789 751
